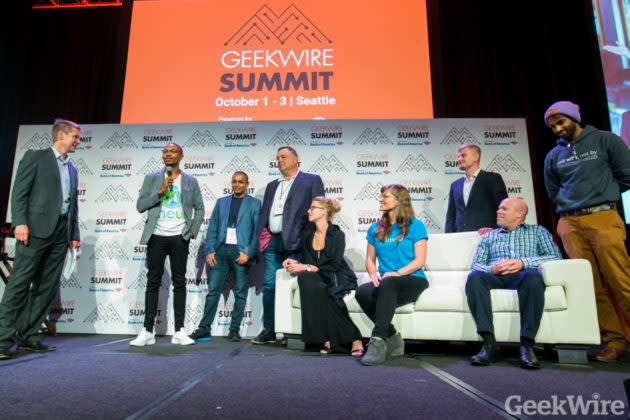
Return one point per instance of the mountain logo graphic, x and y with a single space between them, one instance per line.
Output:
119 141
504 164
286 138
265 27
327 164
106 314
82 167
244 164
140 283
199 139
109 251
139 226
459 136
370 192
207 194
193 315
38 141
115 193
150 165
71 283
369 136
415 164
429 222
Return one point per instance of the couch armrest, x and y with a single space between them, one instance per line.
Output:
285 286
576 277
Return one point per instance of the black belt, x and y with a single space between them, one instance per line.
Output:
590 210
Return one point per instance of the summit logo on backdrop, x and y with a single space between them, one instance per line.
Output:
369 136
207 194
115 193
327 164
81 167
244 164
240 137
71 283
370 192
429 222
119 141
412 135
503 164
109 251
373 164
157 138
151 165
326 135
417 163
499 135
199 139
105 314
38 141
459 136
286 138
267 27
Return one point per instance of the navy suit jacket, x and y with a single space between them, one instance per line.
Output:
485 196
305 187
245 225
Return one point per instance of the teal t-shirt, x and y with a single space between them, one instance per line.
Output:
393 256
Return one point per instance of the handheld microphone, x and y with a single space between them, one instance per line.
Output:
169 172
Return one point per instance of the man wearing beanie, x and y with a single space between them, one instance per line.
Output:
584 175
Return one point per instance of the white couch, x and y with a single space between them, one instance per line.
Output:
569 320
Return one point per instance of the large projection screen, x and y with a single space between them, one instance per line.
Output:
254 60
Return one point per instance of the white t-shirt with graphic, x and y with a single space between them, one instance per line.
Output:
171 221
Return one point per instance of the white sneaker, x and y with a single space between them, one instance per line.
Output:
144 338
180 337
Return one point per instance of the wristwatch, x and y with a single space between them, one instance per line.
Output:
308 267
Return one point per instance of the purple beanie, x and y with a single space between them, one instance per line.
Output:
567 108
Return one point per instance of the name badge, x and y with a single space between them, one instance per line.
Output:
277 210
230 237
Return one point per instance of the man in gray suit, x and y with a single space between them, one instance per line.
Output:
175 211
44 213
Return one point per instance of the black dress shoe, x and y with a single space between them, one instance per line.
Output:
36 348
234 336
5 354
487 355
528 358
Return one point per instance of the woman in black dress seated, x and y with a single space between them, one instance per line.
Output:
324 279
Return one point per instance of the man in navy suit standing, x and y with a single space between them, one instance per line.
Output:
474 199
45 217
230 245
280 226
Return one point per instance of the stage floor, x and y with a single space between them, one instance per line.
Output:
101 377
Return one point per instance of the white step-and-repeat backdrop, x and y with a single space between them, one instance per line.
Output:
354 158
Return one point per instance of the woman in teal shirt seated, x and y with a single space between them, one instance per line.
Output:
399 242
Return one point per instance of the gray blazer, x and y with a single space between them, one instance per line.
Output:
149 200
36 196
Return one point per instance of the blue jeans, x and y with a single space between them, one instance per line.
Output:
225 262
273 256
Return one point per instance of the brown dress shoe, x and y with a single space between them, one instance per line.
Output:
609 355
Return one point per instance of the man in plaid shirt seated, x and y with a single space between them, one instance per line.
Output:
509 258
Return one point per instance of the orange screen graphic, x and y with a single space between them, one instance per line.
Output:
253 60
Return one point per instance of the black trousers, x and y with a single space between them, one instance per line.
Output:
380 303
530 287
32 286
176 247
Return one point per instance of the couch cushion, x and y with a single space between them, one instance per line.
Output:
451 251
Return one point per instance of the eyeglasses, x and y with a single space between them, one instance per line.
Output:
315 207
384 196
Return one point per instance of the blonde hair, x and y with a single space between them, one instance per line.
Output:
63 125
331 206
403 216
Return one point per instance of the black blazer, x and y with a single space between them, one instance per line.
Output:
333 268
305 187
485 196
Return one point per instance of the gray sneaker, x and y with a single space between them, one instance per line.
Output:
376 352
395 346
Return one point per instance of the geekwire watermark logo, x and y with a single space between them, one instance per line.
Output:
572 405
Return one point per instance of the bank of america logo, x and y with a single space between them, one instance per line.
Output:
326 164
140 283
242 163
199 139
369 136
206 194
119 141
415 164
265 26
459 136
106 314
38 141
193 315
504 164
71 283
429 222
116 193
286 138
109 251
140 224
150 165
82 167
370 192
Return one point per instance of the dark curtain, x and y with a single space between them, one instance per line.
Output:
509 58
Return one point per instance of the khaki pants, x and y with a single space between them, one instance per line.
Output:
599 238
